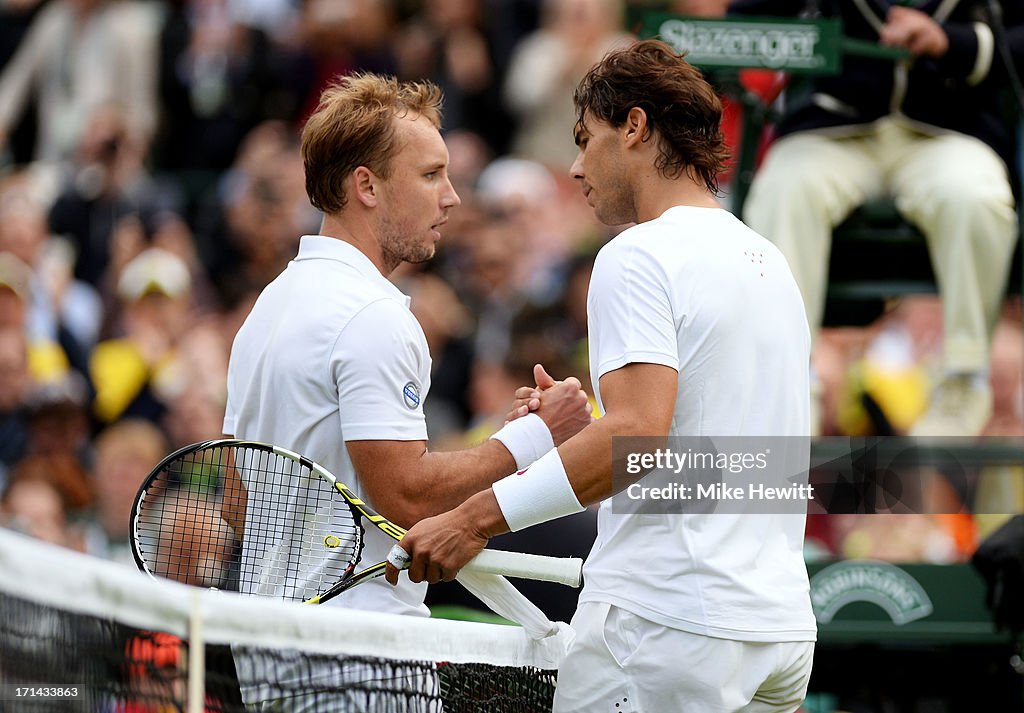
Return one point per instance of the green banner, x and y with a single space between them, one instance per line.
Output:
795 46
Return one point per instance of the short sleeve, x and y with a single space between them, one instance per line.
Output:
381 366
228 428
230 425
629 311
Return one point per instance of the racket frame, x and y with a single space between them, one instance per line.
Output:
563 570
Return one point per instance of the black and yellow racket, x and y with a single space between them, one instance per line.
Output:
247 516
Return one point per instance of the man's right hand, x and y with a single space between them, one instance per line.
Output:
562 405
915 31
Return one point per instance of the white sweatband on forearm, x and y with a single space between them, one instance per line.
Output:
526 438
539 494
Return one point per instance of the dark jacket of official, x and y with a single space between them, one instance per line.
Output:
961 91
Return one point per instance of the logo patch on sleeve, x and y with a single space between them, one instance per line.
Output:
411 395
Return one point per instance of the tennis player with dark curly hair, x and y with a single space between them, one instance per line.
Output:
697 329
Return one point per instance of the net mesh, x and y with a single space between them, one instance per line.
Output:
78 634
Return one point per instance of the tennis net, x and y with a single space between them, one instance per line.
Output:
81 634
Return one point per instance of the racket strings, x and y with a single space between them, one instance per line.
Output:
182 534
247 519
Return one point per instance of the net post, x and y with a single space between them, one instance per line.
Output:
196 657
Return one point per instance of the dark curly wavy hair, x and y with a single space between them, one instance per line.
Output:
683 111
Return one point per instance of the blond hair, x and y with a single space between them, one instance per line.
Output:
354 126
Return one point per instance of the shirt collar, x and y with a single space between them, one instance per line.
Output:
322 247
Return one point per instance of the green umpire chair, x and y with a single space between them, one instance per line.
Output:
877 255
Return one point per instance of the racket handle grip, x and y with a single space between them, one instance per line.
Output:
562 570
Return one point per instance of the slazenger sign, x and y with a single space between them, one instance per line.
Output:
791 46
883 584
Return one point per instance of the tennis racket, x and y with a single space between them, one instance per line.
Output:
247 516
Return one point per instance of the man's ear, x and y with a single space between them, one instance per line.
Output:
636 129
365 186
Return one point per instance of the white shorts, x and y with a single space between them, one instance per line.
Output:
623 663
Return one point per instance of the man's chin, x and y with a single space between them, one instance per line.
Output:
422 257
612 219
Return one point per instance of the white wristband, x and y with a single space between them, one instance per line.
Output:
538 494
526 438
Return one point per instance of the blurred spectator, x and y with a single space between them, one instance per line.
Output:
58 418
153 672
836 350
60 308
34 507
15 382
125 453
195 412
468 156
1007 378
15 277
197 546
884 384
49 481
252 231
107 182
882 391
16 17
879 377
549 216
77 56
446 325
510 186
278 19
490 383
928 131
495 287
154 662
340 38
466 53
220 75
545 69
556 334
136 373
897 538
1000 490
46 359
60 471
135 234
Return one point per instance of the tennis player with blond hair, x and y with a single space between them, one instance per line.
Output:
697 329
331 363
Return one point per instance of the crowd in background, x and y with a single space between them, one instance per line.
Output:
152 186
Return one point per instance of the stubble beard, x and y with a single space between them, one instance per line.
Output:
619 209
396 247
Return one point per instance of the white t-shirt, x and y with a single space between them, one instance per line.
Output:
330 353
698 291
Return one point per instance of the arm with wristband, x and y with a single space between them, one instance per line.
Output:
432 482
562 482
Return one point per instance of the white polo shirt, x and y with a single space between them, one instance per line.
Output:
330 353
698 291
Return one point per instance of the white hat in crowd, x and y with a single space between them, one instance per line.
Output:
154 270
